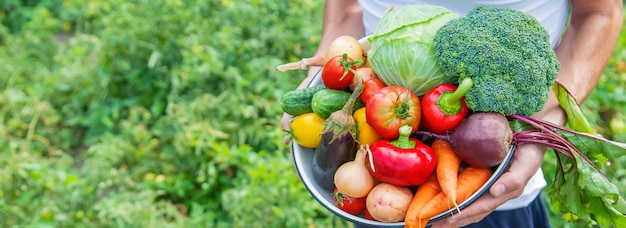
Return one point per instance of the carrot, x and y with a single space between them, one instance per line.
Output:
469 181
448 164
424 193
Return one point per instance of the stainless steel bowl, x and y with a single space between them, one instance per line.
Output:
303 157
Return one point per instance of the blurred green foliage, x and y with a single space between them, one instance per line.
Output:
165 113
151 113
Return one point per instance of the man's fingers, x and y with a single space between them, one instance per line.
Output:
524 164
473 213
284 124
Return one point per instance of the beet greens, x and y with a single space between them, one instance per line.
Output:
580 187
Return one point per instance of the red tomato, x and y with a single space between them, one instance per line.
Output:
338 72
370 88
367 215
348 204
392 108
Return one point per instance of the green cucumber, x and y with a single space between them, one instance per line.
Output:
327 101
298 102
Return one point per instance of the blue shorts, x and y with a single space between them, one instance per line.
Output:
535 215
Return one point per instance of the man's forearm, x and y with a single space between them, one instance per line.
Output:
585 50
340 18
588 44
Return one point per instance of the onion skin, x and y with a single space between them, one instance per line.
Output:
352 178
348 45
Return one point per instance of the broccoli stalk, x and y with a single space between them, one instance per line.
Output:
506 53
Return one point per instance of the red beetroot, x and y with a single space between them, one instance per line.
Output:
482 140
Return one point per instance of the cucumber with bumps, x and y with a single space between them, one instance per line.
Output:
327 101
298 102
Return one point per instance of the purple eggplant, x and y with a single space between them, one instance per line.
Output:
329 155
338 144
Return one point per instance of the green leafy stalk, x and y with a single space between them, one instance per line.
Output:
575 118
602 152
580 190
594 193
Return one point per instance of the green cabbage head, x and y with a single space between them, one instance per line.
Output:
402 47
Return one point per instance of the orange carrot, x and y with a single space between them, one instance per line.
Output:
422 223
469 181
424 193
448 164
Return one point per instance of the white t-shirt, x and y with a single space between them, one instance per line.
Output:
552 14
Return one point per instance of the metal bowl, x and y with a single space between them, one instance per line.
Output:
303 157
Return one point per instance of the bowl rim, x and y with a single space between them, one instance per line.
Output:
297 153
318 194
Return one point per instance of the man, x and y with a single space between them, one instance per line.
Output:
583 50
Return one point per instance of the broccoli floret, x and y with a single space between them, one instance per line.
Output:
505 52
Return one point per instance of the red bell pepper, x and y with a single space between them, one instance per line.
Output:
403 162
443 107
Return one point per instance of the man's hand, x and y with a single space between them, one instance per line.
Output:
284 124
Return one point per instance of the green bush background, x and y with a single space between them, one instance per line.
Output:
165 113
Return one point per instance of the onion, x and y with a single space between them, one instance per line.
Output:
352 178
348 45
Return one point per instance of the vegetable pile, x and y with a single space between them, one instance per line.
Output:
412 146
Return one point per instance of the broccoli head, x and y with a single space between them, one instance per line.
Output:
505 52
